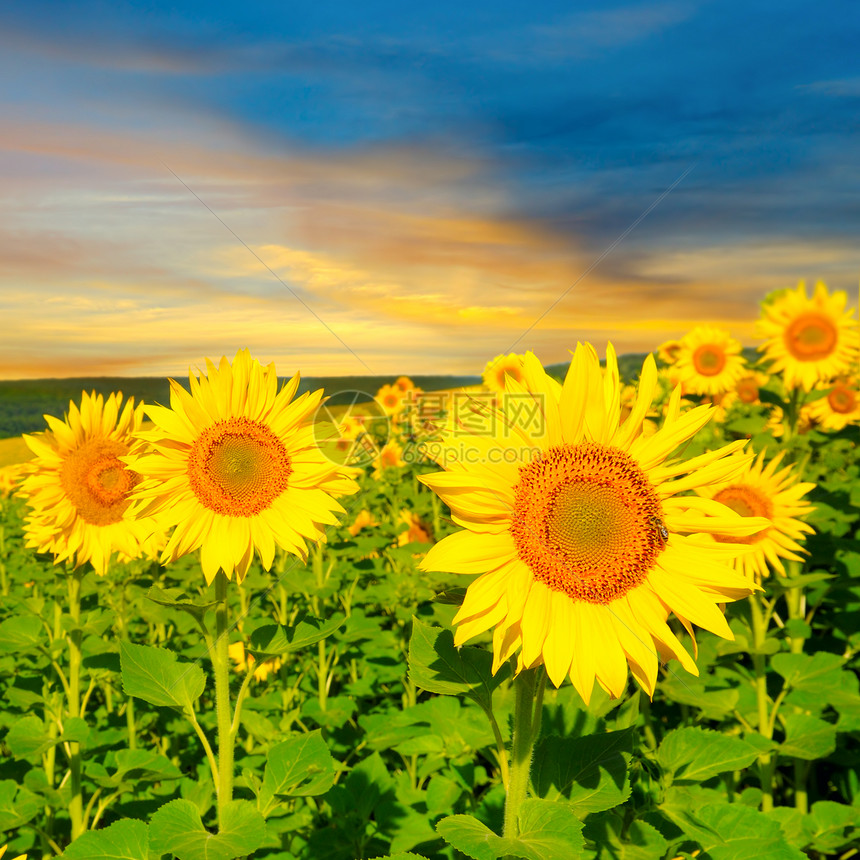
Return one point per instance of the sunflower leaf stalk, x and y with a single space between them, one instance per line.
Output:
76 801
223 709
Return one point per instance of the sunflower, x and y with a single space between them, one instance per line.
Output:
709 361
417 530
808 340
668 351
234 467
236 652
501 366
838 408
79 488
391 399
389 457
363 520
580 533
10 477
762 491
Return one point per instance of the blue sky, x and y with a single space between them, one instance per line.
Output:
427 180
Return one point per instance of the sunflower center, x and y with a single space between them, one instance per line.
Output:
811 336
709 359
238 467
747 390
96 482
842 400
748 502
587 521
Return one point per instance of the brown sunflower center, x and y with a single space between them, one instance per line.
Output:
747 390
238 467
587 521
96 482
811 336
842 399
748 502
709 359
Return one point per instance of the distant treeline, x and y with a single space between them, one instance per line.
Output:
23 402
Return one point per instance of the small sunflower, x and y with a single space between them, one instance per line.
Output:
838 408
417 531
501 366
234 466
363 520
391 399
389 457
10 477
709 361
808 340
580 531
236 652
79 488
668 351
762 491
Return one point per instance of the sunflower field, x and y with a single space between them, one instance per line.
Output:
611 612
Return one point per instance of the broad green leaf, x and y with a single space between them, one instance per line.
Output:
137 766
29 736
832 826
17 805
636 841
808 737
20 633
813 673
175 598
692 754
591 772
745 833
176 828
126 839
157 677
275 640
681 805
437 666
300 766
548 831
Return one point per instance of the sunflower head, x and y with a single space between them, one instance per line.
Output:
709 361
808 340
668 351
500 367
233 467
839 407
776 494
579 529
79 488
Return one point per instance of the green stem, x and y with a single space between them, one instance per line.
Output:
76 801
521 752
766 761
221 666
801 799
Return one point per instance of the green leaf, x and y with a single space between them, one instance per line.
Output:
437 666
29 736
17 805
812 673
744 833
591 771
636 841
157 677
20 633
275 640
808 737
175 598
548 831
127 839
693 755
300 766
832 826
135 766
176 828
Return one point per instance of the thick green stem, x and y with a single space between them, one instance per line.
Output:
801 799
221 666
521 752
766 761
76 801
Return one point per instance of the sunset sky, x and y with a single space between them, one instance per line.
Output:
377 187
